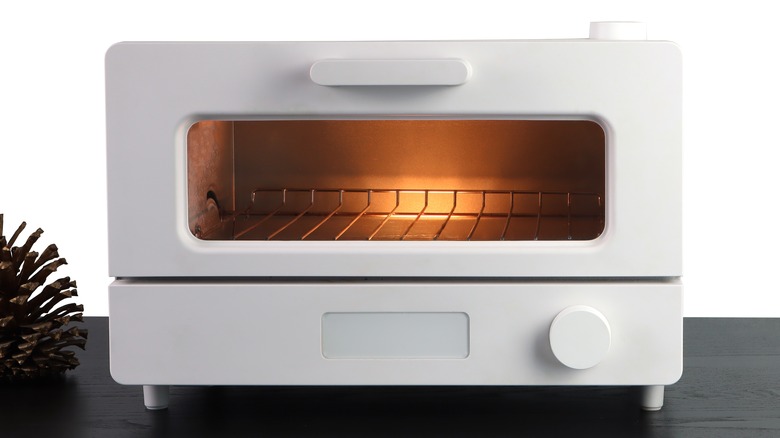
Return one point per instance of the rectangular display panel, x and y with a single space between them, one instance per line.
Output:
389 335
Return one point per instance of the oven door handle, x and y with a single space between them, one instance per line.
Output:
390 72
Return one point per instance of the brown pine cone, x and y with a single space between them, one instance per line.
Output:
33 332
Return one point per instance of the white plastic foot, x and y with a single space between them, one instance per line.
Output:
652 397
156 397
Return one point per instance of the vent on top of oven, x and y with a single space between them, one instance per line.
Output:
459 215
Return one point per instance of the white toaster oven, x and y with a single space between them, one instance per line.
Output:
396 213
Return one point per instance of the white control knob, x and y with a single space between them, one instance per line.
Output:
580 337
618 30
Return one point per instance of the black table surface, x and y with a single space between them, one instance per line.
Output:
730 387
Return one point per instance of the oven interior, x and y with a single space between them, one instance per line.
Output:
347 180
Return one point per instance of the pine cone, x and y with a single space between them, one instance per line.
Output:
33 332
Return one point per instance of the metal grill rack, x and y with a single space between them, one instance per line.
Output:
396 214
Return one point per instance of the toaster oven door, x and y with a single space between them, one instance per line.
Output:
398 159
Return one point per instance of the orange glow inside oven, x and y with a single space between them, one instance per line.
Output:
396 180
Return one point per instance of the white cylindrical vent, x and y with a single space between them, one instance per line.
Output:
618 30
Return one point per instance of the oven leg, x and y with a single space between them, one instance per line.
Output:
652 397
156 397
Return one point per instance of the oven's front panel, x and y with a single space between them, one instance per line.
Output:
516 159
368 333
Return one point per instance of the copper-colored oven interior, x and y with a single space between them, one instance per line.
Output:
396 180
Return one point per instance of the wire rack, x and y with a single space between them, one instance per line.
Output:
399 214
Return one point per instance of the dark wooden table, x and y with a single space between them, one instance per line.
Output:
730 387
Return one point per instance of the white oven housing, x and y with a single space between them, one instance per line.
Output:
156 91
606 311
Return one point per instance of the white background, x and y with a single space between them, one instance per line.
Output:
52 134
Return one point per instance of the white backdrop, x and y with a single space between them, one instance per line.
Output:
52 134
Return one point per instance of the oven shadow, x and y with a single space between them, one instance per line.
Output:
402 411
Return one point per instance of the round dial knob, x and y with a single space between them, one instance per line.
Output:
580 337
